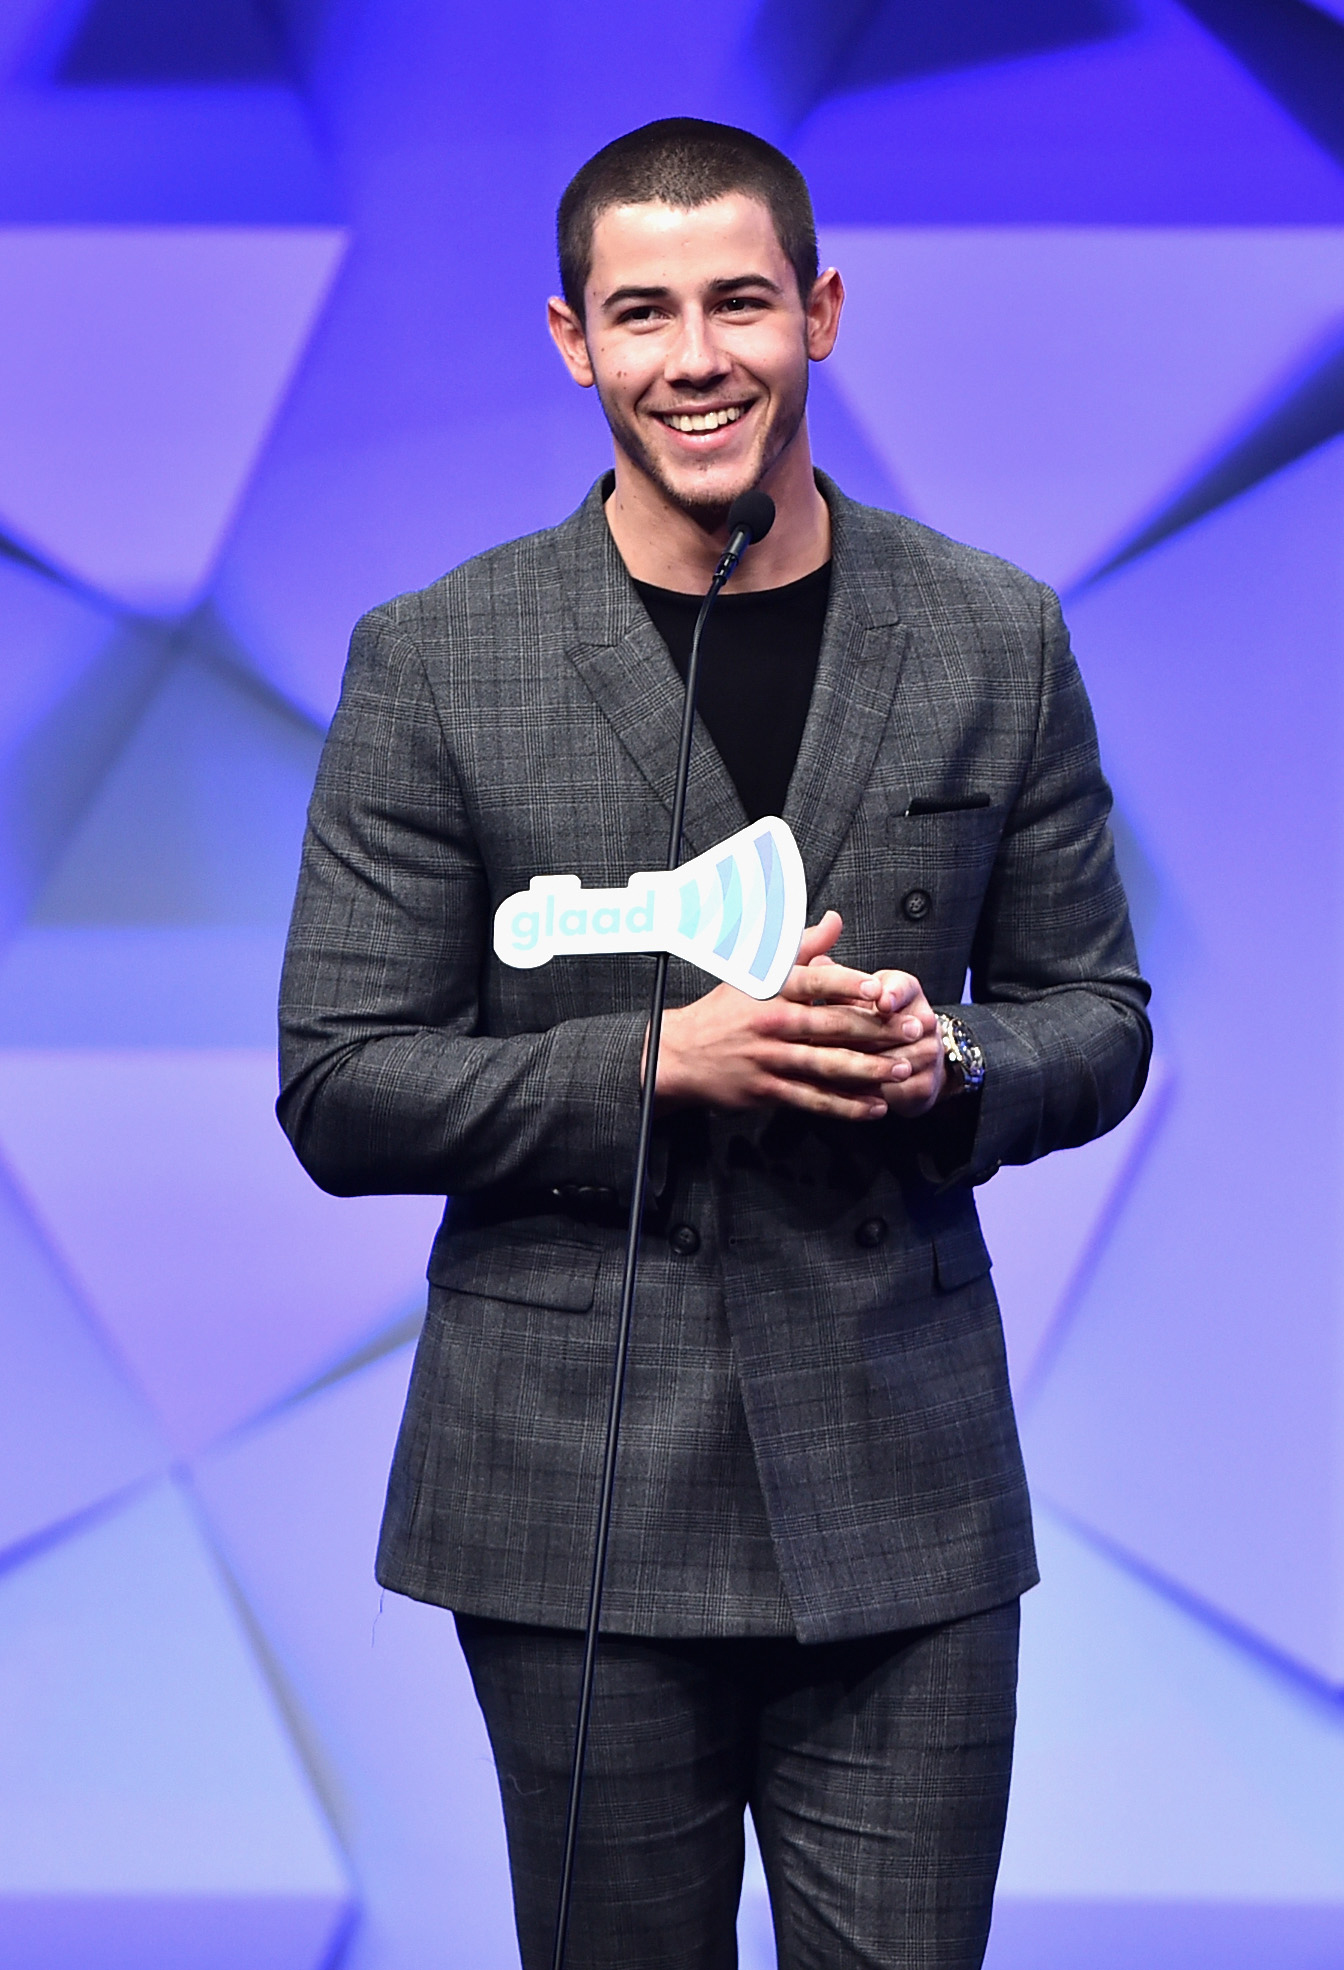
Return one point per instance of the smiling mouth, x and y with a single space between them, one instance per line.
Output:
701 420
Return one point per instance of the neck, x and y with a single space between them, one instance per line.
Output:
663 544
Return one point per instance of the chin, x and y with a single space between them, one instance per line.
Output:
708 499
704 495
707 503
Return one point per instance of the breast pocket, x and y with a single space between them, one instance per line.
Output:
936 868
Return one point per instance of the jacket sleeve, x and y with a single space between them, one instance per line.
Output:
1059 1003
386 1083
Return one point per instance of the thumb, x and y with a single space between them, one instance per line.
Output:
819 938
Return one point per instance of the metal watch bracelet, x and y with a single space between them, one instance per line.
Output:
963 1055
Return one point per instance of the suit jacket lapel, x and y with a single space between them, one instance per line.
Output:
624 663
622 660
862 652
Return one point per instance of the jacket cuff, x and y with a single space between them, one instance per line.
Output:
969 1136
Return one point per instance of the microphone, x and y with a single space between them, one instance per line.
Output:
750 518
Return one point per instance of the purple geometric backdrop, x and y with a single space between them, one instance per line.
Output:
271 349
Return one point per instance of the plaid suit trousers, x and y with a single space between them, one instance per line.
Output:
875 1770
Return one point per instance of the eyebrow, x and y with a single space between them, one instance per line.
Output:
620 295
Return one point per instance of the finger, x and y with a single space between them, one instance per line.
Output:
843 1025
915 1093
829 1066
913 1097
908 1063
824 983
820 937
849 1022
894 991
888 1029
834 1102
885 994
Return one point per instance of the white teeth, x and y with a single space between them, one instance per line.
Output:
704 420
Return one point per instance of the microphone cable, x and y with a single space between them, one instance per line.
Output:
750 518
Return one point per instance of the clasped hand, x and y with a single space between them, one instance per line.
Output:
854 1044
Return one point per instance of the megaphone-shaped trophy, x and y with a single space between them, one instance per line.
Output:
738 912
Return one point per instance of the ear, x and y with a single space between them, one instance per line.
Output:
823 314
569 338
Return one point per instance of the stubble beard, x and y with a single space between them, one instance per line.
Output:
710 509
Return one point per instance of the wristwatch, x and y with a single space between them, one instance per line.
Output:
963 1055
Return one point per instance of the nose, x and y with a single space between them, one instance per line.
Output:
694 356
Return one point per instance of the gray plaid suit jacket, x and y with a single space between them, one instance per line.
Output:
818 1434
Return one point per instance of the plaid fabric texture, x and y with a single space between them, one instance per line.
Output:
876 1772
819 1437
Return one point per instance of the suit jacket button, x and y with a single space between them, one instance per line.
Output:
871 1233
916 904
684 1240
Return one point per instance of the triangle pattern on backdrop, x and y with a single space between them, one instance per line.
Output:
1044 1223
1294 50
129 42
155 1808
1161 126
1201 1363
74 678
200 818
1055 384
143 368
224 1276
73 1429
809 50
1309 413
401 1729
1158 1761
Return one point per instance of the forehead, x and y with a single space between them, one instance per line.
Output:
656 245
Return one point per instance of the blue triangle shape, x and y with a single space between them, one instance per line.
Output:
1306 415
810 50
125 42
200 819
1295 50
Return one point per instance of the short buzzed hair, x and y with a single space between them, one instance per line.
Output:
683 162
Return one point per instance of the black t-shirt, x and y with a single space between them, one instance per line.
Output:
758 663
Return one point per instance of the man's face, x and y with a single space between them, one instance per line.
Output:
698 344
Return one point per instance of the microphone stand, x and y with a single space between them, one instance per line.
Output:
749 517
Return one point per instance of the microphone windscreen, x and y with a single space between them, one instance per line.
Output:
754 512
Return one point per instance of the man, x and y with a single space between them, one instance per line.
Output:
821 1526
